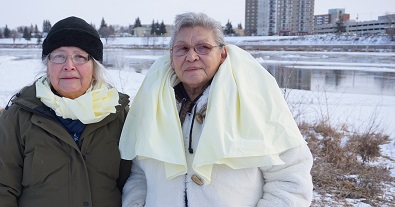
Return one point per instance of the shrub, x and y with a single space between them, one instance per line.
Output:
341 170
367 145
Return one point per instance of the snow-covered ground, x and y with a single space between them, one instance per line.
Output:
354 109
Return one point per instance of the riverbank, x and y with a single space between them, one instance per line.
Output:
313 48
329 42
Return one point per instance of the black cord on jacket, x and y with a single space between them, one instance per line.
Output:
190 150
9 101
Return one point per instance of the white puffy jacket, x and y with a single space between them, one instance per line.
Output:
274 186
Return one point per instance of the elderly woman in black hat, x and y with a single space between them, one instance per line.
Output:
59 137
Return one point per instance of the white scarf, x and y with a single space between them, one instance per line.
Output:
247 124
92 107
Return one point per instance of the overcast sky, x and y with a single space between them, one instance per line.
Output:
16 13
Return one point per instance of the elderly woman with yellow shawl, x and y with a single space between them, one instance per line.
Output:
210 127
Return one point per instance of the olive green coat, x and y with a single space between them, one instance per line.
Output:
41 165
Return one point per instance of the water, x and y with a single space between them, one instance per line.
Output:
357 73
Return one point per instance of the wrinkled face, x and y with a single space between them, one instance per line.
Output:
69 79
193 69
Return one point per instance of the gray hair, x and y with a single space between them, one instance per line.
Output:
101 73
191 19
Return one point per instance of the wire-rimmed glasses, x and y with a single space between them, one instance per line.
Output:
61 57
201 49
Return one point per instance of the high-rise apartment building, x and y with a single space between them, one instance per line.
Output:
251 15
279 17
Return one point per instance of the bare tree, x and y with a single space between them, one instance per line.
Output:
105 33
340 28
14 34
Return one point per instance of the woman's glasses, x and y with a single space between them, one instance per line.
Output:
201 49
61 57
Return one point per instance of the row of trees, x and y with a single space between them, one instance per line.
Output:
26 32
105 30
158 29
229 28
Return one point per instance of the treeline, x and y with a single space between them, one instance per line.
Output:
26 32
105 30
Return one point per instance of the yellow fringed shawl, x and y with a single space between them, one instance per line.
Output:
247 124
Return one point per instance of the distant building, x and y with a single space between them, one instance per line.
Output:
322 19
389 17
336 14
332 17
384 24
251 17
145 30
142 31
239 32
279 17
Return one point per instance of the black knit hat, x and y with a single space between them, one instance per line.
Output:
76 32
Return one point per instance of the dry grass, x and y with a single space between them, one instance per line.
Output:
345 168
367 145
342 167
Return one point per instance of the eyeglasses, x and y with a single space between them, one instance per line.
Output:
201 49
61 57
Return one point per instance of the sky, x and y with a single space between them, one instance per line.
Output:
14 13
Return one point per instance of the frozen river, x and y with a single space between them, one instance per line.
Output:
345 72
